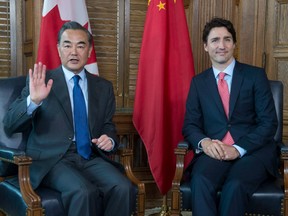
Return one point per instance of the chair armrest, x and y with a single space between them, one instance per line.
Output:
284 157
183 145
19 158
7 154
180 153
284 152
126 156
8 166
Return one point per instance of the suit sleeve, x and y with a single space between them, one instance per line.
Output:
193 128
16 119
109 127
264 127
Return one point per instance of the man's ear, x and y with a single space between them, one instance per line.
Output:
205 47
58 49
90 50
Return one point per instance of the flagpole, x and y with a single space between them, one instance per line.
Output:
164 209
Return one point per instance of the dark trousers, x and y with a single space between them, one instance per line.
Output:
84 184
236 179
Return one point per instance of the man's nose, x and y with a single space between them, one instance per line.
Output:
74 50
221 44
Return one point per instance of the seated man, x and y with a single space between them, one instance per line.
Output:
230 122
70 115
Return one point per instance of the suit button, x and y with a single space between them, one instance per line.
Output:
229 126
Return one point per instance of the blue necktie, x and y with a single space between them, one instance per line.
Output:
80 121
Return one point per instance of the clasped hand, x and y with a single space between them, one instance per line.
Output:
103 142
218 150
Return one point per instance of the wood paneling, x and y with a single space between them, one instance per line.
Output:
5 39
28 36
276 49
250 31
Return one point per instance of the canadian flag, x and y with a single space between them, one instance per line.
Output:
55 14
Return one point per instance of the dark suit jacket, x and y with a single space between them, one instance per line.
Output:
52 123
252 118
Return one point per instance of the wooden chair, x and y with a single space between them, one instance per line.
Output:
270 199
15 164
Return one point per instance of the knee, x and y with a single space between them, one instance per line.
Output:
200 184
233 186
198 180
85 191
124 187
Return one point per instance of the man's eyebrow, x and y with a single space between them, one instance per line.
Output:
81 42
66 41
215 38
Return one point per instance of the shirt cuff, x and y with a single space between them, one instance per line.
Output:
200 149
113 144
31 106
241 151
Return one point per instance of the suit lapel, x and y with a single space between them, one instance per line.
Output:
93 95
213 90
236 86
61 93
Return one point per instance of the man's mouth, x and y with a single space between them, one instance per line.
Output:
74 61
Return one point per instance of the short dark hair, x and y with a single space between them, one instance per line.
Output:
218 22
75 26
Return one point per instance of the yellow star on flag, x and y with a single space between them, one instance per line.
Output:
161 6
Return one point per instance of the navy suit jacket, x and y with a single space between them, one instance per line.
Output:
252 118
51 124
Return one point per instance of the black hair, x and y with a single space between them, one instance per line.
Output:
75 26
218 22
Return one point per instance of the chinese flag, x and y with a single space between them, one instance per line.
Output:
55 14
165 71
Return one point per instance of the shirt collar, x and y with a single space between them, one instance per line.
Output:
228 70
68 74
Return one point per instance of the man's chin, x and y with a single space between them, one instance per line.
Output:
74 66
222 60
75 70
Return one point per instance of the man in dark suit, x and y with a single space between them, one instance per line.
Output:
239 165
46 106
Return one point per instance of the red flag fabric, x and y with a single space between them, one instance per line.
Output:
165 71
55 14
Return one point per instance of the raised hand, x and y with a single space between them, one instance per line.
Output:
38 88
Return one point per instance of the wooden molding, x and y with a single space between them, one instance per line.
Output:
186 3
282 1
